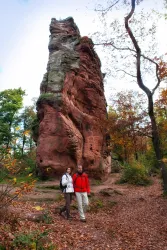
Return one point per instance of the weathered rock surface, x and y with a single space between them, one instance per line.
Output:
72 106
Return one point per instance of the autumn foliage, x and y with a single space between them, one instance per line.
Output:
162 67
161 116
128 125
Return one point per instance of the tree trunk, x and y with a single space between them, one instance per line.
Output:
149 93
24 140
30 143
156 142
9 136
125 154
23 144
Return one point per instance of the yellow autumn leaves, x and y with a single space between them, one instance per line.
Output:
26 132
38 208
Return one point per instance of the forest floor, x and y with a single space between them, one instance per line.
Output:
121 217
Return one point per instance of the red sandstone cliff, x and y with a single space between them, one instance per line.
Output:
72 106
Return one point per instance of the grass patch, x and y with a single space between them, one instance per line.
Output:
111 204
74 206
111 233
95 205
39 199
118 192
96 182
19 179
165 194
47 218
2 247
59 198
32 240
48 187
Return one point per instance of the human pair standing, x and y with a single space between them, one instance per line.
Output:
78 184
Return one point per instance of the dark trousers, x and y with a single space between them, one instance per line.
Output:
68 199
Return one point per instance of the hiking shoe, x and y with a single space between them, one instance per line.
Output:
60 212
63 214
83 220
69 218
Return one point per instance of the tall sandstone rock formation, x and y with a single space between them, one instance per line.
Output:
72 106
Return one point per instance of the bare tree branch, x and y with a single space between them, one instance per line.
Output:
157 69
138 50
158 78
115 47
109 8
141 133
126 72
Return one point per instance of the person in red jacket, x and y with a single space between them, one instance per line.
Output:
81 189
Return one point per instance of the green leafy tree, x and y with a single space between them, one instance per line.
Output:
11 101
24 134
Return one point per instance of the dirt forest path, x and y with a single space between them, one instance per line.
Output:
137 221
125 218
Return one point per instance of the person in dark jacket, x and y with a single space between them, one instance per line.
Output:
68 192
81 189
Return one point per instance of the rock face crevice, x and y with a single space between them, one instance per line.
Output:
72 106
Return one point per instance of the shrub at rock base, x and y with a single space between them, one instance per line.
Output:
115 166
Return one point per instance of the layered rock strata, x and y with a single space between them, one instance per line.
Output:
72 106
